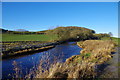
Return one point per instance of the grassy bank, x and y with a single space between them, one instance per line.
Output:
24 47
28 37
85 65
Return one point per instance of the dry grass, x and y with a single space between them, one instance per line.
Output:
63 70
17 69
99 49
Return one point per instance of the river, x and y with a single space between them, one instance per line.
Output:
25 63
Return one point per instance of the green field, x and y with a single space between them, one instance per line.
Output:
28 37
116 40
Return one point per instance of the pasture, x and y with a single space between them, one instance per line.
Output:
28 37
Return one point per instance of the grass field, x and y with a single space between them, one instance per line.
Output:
28 37
116 40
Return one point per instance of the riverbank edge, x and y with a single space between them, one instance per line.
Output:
31 50
99 65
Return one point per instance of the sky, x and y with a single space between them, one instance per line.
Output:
36 16
60 0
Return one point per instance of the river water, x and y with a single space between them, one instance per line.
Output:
25 63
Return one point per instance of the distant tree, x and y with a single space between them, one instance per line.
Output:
110 33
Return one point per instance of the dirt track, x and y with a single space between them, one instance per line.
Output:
111 71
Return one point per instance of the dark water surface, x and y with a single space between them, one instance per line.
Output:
59 54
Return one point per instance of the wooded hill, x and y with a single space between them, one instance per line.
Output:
75 33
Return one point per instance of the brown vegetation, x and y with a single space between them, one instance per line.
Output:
29 50
97 50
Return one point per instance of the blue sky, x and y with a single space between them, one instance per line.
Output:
36 16
60 1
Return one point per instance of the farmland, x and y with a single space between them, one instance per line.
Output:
27 37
